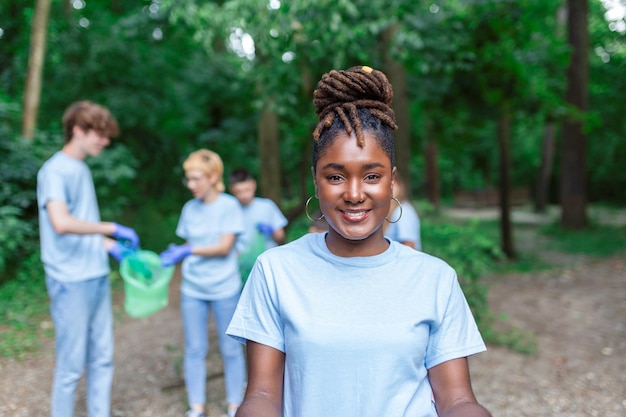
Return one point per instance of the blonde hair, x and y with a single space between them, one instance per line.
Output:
209 163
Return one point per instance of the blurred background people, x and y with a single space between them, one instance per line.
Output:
404 223
74 250
264 222
210 224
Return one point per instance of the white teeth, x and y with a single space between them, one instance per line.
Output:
354 213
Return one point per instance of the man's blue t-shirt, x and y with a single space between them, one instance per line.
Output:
70 257
260 210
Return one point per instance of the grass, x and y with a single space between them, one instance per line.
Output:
596 240
24 314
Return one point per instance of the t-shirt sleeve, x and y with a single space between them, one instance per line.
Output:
51 187
456 335
408 228
278 219
181 227
257 317
232 220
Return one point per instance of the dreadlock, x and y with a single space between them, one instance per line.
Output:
342 93
354 101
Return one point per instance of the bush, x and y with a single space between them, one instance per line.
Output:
24 310
471 253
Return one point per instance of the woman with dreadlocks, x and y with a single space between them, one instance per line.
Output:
347 323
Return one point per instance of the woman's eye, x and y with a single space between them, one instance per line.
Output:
334 178
372 177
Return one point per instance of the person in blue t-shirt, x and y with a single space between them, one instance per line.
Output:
263 220
347 322
210 223
404 223
74 246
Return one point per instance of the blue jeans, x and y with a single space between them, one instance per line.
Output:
196 315
83 322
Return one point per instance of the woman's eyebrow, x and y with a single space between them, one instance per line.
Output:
333 165
371 165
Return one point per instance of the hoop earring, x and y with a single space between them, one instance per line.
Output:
399 205
306 211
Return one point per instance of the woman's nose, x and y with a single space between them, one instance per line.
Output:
354 192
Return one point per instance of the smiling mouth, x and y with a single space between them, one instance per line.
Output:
355 214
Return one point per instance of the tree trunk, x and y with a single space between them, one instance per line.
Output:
574 144
269 152
397 77
431 155
32 92
545 170
506 229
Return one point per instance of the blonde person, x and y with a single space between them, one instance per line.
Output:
210 223
404 223
348 323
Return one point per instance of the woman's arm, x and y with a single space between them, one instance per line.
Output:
452 389
264 394
221 248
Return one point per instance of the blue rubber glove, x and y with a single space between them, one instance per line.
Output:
120 251
126 233
174 254
265 229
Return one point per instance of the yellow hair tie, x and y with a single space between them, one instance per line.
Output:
367 69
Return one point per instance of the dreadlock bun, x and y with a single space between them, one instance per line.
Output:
343 93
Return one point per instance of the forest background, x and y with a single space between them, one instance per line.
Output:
489 95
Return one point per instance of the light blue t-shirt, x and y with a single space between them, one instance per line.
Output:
69 257
407 228
260 210
359 333
203 224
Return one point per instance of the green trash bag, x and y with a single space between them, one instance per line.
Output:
248 257
146 283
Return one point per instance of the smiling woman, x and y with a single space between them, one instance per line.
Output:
372 326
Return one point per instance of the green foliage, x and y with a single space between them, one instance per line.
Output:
513 337
596 240
297 228
18 207
471 253
23 310
14 233
472 250
155 223
113 171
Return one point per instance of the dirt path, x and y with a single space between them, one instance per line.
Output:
577 311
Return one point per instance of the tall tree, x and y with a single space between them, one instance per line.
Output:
504 146
268 135
396 73
32 94
574 143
